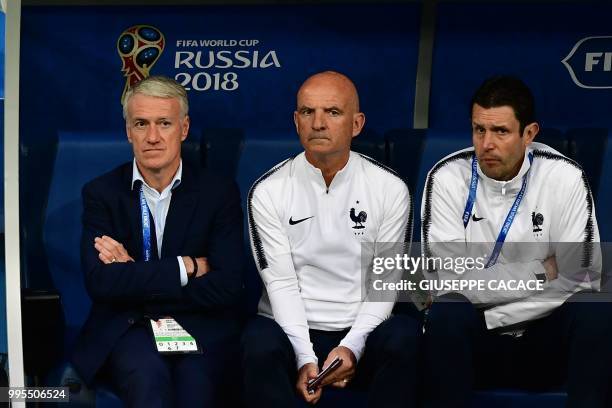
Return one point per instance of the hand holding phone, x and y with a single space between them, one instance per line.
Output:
315 382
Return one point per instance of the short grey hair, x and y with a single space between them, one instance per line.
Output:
159 87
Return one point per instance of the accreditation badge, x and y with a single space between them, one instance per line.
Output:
171 338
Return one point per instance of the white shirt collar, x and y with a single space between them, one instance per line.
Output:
136 176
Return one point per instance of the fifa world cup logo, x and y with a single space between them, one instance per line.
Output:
139 47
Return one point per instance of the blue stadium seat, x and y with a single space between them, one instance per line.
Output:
604 197
261 150
588 146
438 144
221 149
556 139
370 144
80 157
404 149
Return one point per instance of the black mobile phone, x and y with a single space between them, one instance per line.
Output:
314 383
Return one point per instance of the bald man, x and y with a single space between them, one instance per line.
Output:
308 219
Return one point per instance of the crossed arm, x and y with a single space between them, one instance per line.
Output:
111 251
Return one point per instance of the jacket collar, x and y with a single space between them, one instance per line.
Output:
316 176
510 186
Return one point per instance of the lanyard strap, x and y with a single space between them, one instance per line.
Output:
146 227
503 233
469 205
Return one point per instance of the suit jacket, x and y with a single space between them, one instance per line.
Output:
204 219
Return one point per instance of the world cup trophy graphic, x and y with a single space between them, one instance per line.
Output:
139 47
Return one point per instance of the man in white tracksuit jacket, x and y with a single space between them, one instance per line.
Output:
536 320
308 219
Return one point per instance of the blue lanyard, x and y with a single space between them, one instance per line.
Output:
472 195
503 233
146 226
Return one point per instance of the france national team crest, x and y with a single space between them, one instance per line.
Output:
359 218
537 219
139 47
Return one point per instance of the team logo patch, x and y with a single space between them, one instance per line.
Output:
358 218
139 47
537 219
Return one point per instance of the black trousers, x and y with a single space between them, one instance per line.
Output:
571 347
144 378
388 367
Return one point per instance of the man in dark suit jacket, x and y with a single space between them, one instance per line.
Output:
186 264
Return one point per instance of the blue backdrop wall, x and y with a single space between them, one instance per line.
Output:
72 78
242 66
477 40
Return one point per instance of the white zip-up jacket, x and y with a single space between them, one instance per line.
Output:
306 240
556 217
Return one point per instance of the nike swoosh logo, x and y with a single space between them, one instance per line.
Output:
291 222
475 218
